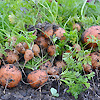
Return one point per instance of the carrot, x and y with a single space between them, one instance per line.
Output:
60 64
1 55
0 62
51 50
77 47
53 70
10 75
25 45
20 48
95 60
42 41
37 78
77 26
59 33
13 39
92 33
36 50
87 68
28 55
45 65
11 57
48 33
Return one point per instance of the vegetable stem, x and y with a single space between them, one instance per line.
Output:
83 7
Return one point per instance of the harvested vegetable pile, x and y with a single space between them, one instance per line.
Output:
50 42
46 69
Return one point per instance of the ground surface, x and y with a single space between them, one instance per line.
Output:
25 92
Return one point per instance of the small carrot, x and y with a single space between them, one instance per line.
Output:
36 50
28 55
20 48
11 57
51 50
42 41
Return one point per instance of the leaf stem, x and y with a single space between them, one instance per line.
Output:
83 7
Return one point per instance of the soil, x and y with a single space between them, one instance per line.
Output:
26 92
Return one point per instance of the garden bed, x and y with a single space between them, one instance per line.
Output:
25 92
49 50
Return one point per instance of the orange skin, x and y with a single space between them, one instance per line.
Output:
59 33
77 47
45 65
11 75
37 78
77 26
42 42
1 54
48 33
68 51
11 57
0 62
53 70
60 64
87 68
13 39
92 31
36 49
95 56
28 55
25 45
51 50
20 48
